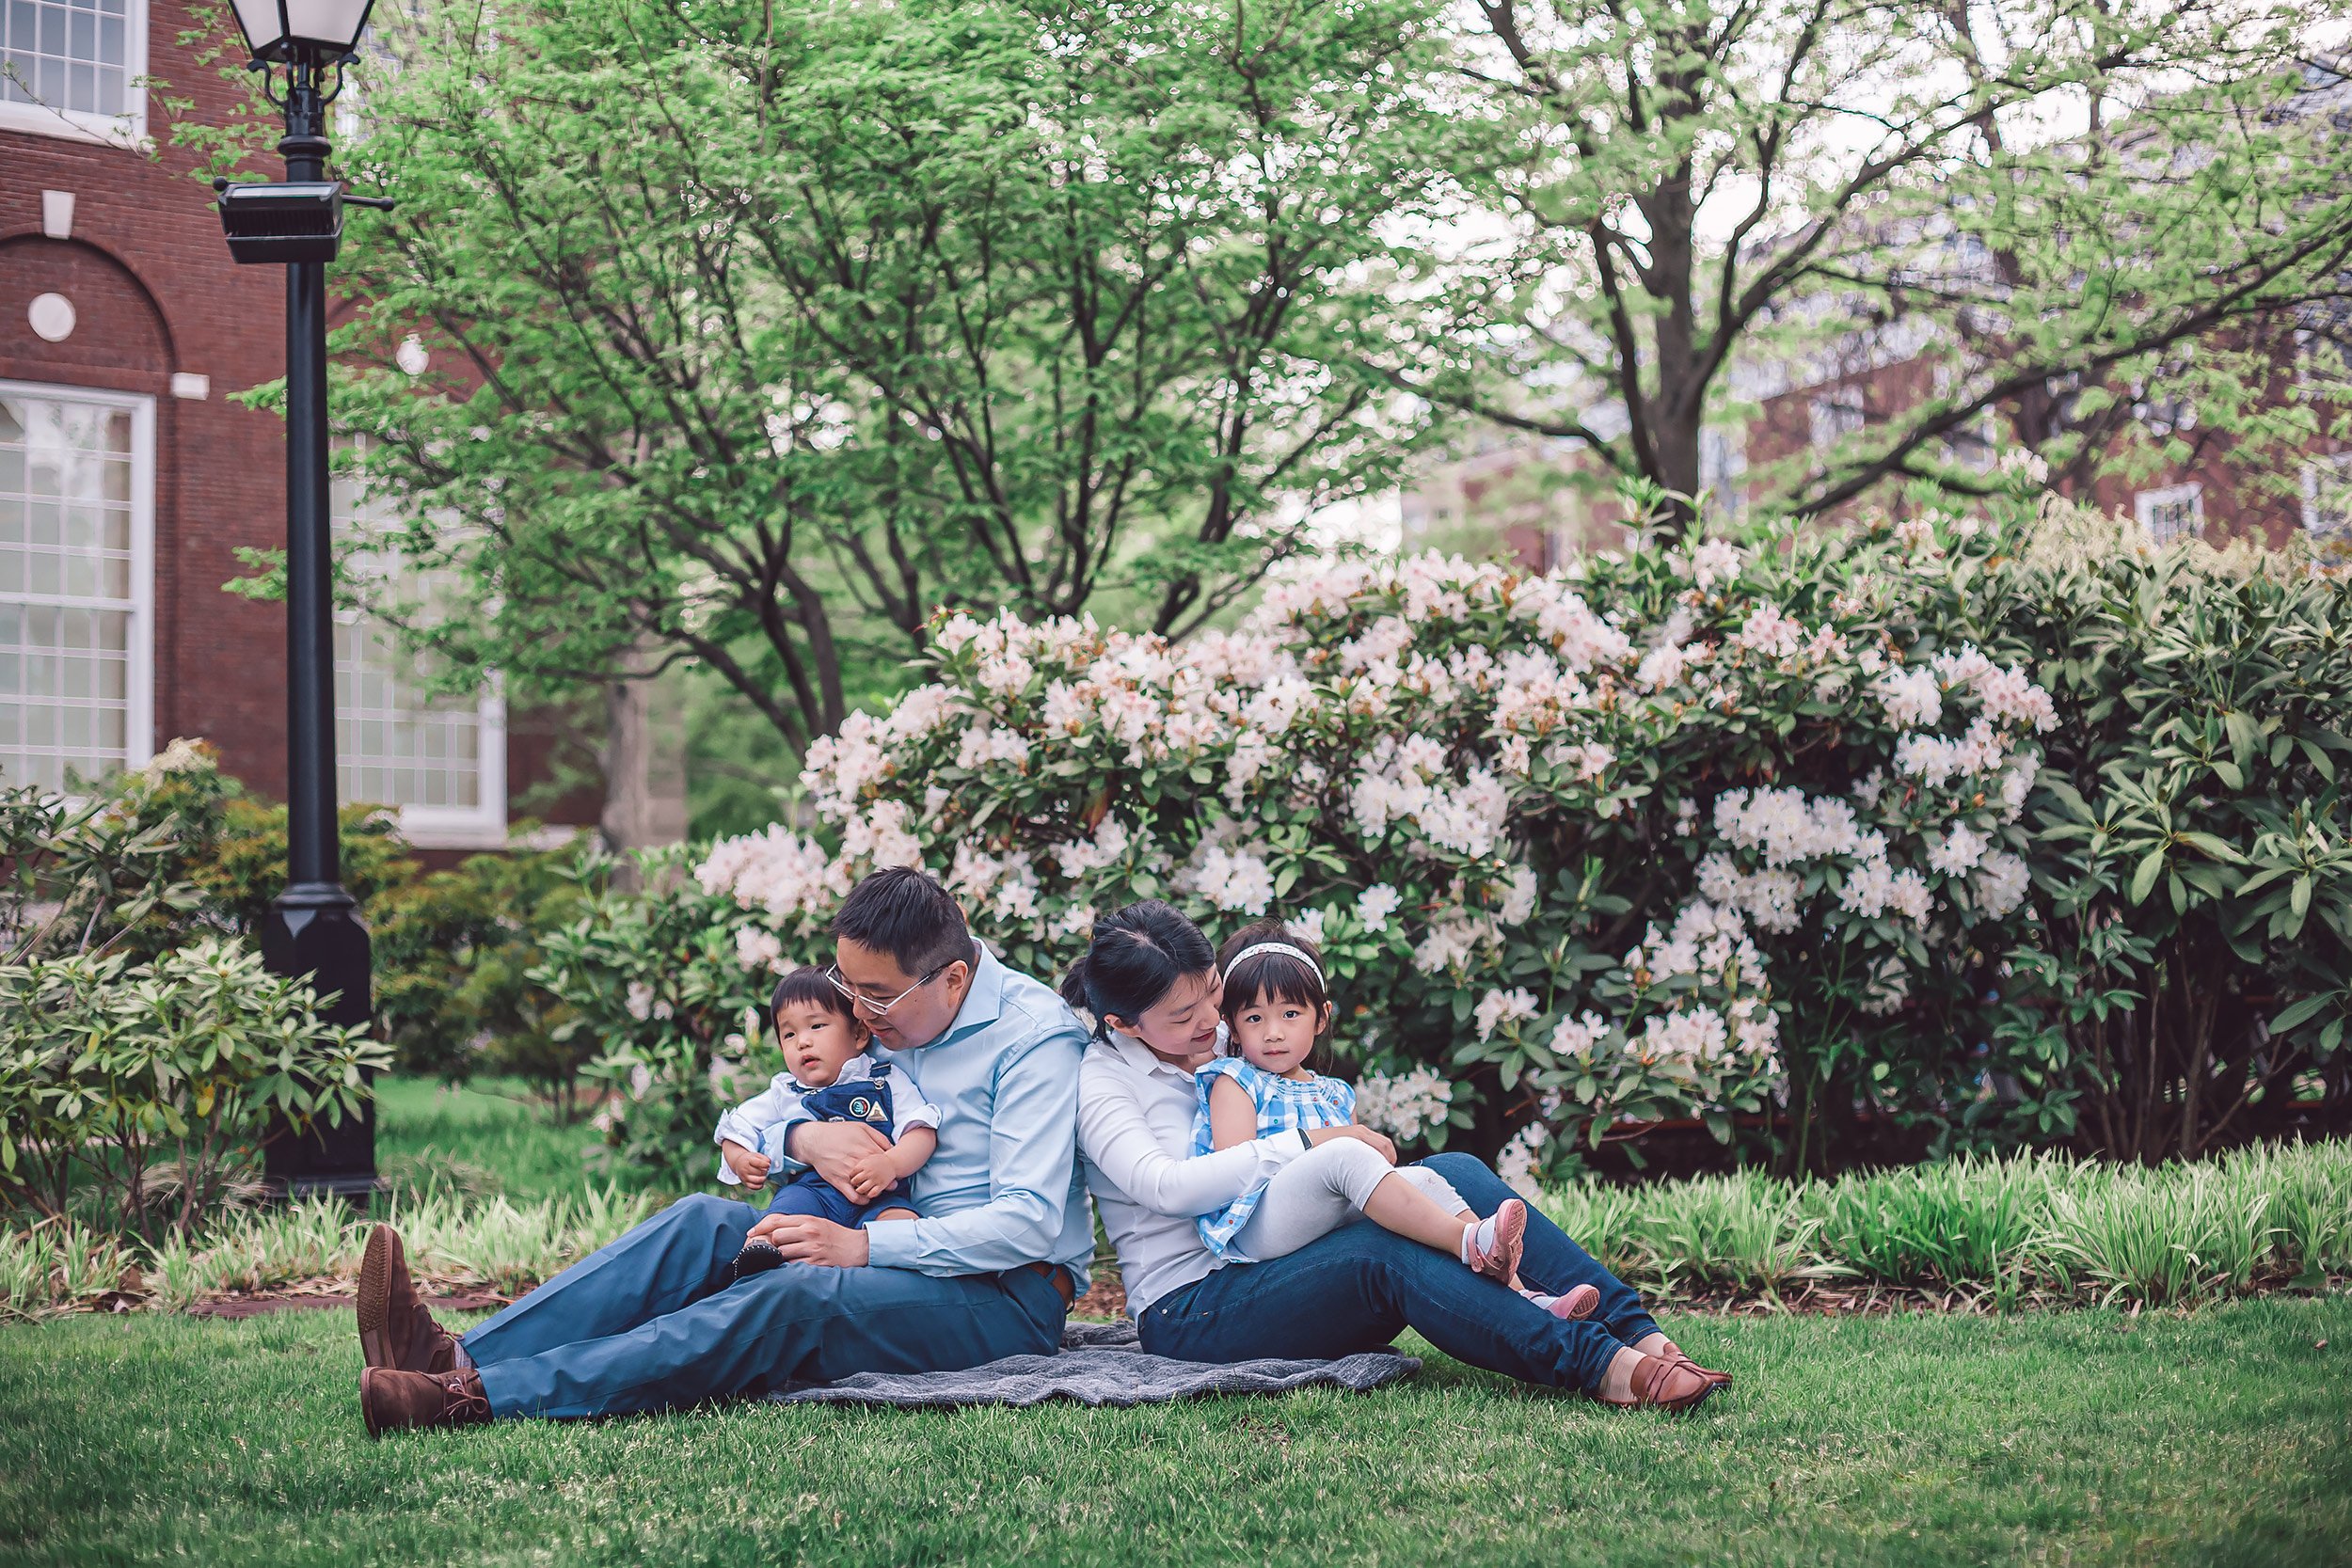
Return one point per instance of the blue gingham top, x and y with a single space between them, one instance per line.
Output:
1284 1105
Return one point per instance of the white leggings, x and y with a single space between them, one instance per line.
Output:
1323 1188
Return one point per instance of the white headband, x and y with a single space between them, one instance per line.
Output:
1283 947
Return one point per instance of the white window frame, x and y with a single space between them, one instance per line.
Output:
127 129
2341 463
138 718
483 825
2145 503
1835 413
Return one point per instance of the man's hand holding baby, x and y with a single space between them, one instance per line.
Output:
832 1148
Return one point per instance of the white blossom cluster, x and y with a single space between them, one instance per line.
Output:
1456 942
1403 1105
1377 904
1516 1164
1231 880
1409 783
1498 1008
775 871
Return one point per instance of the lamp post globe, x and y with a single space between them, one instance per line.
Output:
313 927
280 30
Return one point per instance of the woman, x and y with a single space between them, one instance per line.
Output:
1151 980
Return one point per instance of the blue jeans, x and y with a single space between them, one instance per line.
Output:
1356 1287
636 1326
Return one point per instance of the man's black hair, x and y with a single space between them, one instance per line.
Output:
902 912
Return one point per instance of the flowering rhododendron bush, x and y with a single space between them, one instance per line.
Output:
1664 836
1991 828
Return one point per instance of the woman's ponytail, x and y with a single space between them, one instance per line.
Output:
1074 991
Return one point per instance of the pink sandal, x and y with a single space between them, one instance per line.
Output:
1577 1304
1492 1247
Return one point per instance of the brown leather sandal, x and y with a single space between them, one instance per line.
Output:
1674 1352
1663 1384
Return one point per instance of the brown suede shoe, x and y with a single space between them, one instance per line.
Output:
396 1332
391 1401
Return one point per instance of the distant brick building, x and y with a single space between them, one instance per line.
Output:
128 478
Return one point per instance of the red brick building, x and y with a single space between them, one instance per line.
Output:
128 476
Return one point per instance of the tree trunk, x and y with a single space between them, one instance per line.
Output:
644 766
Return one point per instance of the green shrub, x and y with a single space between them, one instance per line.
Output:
111 1068
1998 1231
2190 842
453 953
1966 1219
59 1266
499 1245
657 988
1679 834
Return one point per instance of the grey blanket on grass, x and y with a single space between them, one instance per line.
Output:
1101 1363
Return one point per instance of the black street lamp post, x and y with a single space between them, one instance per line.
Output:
314 928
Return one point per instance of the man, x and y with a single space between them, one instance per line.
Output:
989 1270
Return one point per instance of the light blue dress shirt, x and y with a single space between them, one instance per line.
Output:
1004 1187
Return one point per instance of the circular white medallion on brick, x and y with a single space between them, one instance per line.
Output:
51 317
411 355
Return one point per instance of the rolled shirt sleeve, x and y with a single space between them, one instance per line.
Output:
1032 1148
777 1104
908 1108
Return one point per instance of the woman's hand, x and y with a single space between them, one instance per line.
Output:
749 1165
833 1148
1380 1141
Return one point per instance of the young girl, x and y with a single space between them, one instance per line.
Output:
1277 1009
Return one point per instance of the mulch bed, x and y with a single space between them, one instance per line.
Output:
1105 1300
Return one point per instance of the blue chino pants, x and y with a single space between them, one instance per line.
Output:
636 1326
1357 1287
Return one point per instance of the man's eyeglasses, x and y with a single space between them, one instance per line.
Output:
859 999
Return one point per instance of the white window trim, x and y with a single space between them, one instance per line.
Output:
482 825
476 827
2342 463
2145 503
128 129
138 721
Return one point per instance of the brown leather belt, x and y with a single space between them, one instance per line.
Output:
1058 1277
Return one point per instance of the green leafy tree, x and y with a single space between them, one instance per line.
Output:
2062 212
759 331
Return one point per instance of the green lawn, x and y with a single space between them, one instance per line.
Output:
490 1136
2077 1437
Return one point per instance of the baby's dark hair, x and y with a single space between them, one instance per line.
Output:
808 984
1264 977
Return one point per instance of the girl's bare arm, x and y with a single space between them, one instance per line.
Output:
1232 1115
